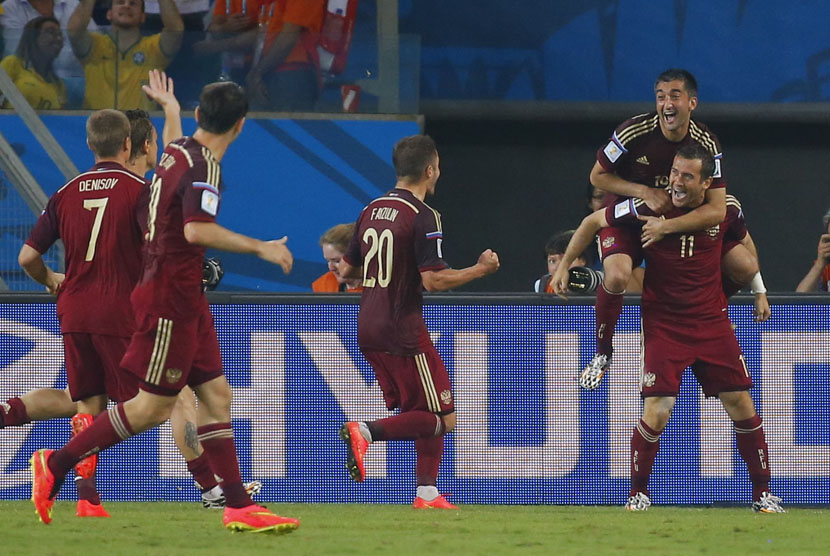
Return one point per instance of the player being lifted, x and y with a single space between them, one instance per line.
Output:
398 242
635 164
684 324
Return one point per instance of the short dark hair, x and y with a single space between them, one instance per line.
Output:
412 155
675 74
141 130
558 244
27 47
221 105
696 151
106 131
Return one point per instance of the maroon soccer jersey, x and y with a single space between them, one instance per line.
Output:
94 215
639 152
397 236
185 189
683 276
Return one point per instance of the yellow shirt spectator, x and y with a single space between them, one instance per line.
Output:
114 79
41 94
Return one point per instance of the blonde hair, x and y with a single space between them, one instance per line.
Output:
339 236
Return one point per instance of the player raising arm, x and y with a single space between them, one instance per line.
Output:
175 341
398 242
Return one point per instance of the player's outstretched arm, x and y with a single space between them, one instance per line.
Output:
582 238
762 308
709 214
32 263
656 199
211 234
449 278
160 89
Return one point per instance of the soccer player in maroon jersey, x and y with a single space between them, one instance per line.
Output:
684 325
398 243
635 164
143 158
94 215
175 342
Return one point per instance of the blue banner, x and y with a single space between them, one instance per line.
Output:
294 177
526 434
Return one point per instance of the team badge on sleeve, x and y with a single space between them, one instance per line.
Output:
613 150
210 197
622 209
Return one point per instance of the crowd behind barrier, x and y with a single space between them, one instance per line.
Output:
292 55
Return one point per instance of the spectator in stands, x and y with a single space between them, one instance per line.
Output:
117 63
31 68
232 34
285 76
554 249
818 277
15 15
593 199
191 71
334 243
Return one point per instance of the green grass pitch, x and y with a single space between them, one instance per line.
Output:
161 528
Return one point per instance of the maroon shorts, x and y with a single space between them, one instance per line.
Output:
709 348
624 239
165 355
93 366
728 245
413 382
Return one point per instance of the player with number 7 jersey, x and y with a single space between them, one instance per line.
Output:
94 215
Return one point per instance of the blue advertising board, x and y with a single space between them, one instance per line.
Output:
526 434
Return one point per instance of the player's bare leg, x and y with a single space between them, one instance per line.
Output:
617 269
216 436
752 445
645 441
36 405
183 423
738 267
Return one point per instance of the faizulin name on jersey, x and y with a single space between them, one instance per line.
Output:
384 213
97 184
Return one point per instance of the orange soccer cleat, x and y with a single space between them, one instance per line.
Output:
43 481
350 434
257 519
86 467
439 503
88 509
